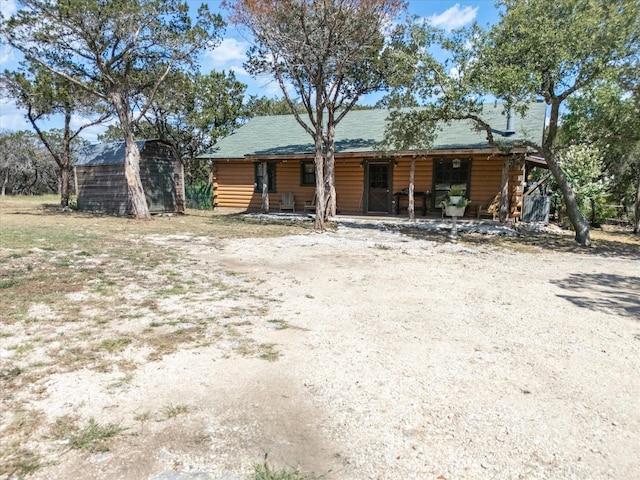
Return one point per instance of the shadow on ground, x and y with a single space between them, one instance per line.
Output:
618 245
603 292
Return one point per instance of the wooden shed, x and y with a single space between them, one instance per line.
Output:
101 184
369 180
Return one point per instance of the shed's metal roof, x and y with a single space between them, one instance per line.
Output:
362 130
111 153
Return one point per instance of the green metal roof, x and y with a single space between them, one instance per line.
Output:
108 153
362 130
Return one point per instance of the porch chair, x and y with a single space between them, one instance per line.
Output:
492 207
311 206
288 202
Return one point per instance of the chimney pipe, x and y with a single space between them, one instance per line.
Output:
510 130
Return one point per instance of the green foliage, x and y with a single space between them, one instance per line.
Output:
538 50
583 167
192 111
93 437
266 472
199 196
119 51
172 411
608 119
461 202
263 106
330 54
25 167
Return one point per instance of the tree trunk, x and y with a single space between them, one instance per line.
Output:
504 192
330 173
319 162
5 181
579 223
65 159
636 222
320 197
265 187
64 187
137 200
411 209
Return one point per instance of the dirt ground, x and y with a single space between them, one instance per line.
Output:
359 353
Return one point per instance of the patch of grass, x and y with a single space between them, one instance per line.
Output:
18 463
241 323
22 348
175 289
93 437
10 373
12 256
142 417
267 351
11 282
264 471
113 345
166 343
121 382
172 411
75 357
279 324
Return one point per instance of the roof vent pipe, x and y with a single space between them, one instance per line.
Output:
510 130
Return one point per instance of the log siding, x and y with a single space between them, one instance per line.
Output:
234 181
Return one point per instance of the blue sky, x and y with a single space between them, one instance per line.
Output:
230 54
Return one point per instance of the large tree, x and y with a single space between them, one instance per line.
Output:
44 95
537 50
192 112
25 166
608 120
329 53
118 50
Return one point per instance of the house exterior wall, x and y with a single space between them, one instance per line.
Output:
349 186
234 182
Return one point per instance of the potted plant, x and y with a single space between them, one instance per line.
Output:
456 193
455 203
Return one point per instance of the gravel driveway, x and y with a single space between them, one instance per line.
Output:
393 358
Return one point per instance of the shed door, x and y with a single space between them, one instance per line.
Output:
160 188
379 187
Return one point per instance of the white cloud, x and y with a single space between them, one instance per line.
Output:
229 51
238 70
454 17
11 117
8 8
91 133
6 54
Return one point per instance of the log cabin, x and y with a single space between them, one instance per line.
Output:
368 179
101 184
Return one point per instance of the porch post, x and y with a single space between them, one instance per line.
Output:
412 178
504 192
265 187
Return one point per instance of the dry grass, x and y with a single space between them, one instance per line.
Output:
75 289
609 241
84 291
